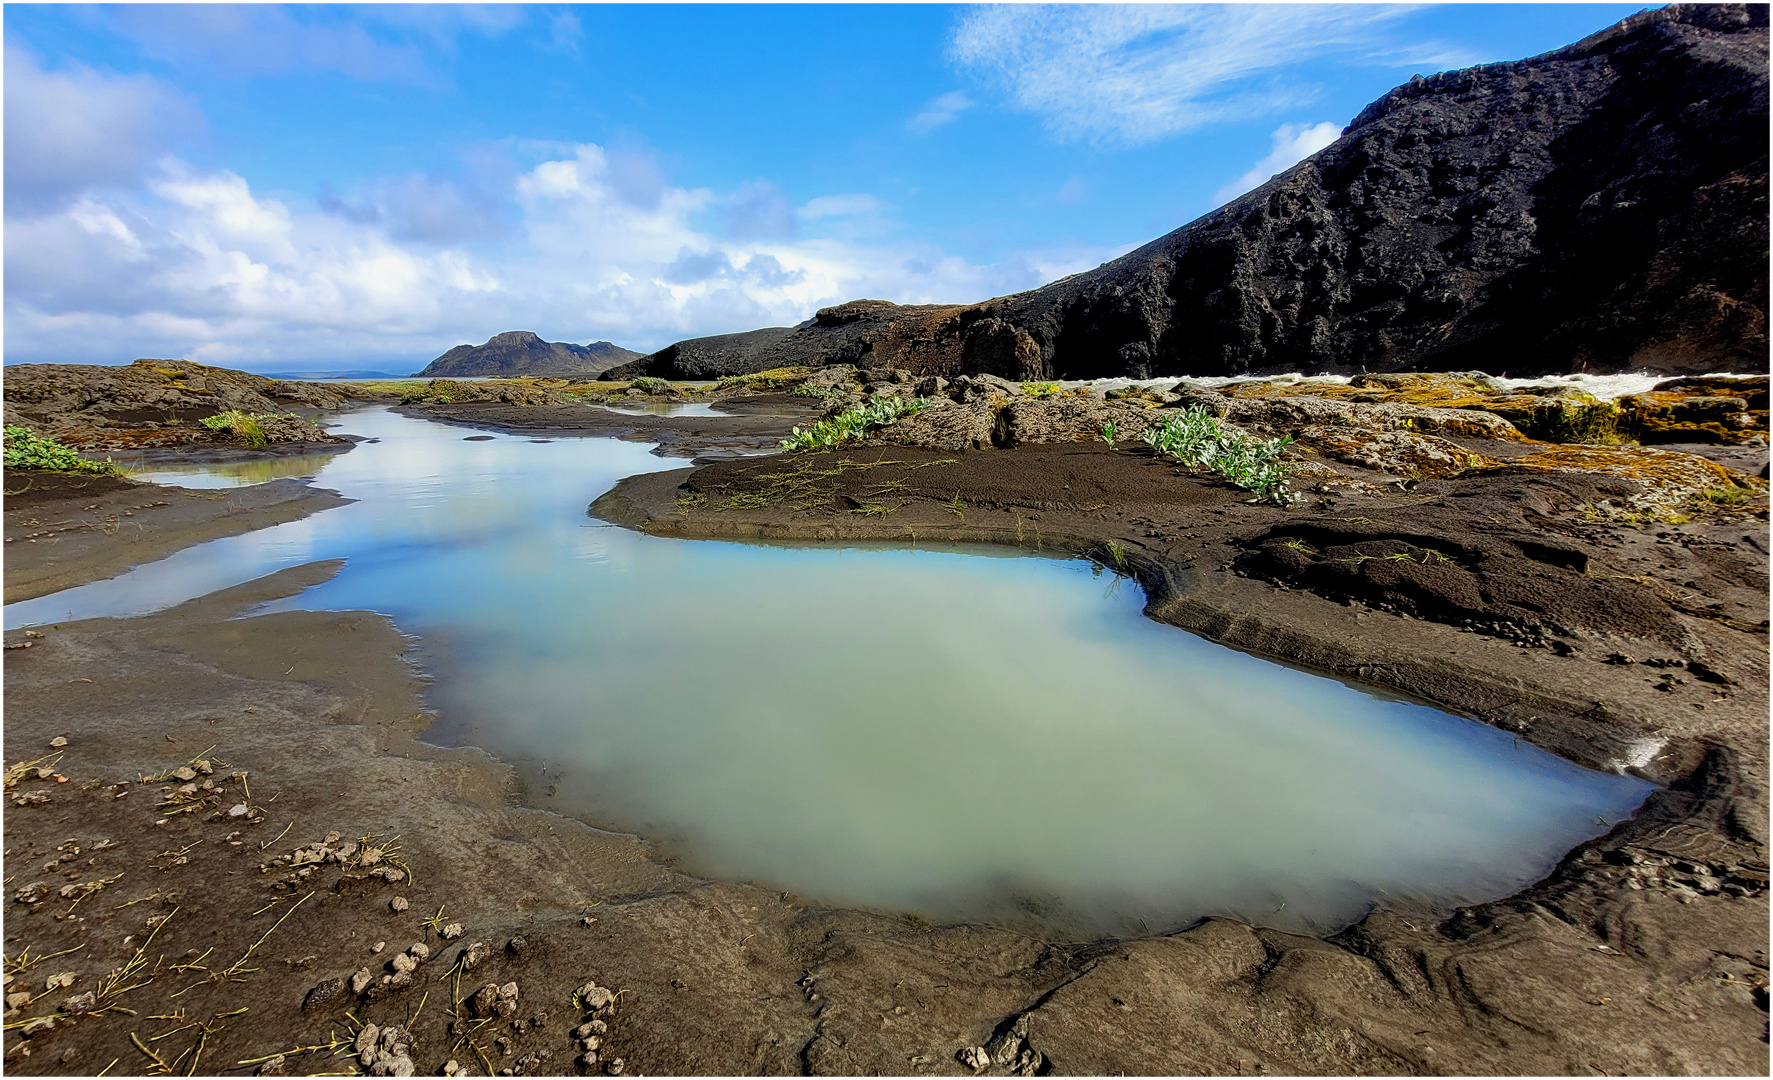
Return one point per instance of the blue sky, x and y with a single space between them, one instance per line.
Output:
331 187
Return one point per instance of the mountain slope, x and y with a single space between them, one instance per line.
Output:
1598 208
519 352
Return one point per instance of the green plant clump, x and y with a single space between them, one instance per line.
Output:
646 384
25 449
242 425
853 423
1196 440
773 379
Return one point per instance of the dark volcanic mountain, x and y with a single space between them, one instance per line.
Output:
519 352
709 357
1599 208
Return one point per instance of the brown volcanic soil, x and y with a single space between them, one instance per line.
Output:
1646 951
66 529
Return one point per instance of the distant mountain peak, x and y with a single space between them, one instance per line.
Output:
523 352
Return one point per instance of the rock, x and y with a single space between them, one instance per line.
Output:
377 947
80 1003
975 1058
591 1042
366 1038
185 772
397 904
419 951
35 892
614 1066
473 955
323 994
587 1060
452 931
238 810
485 1001
58 742
590 1028
275 1067
517 946
594 997
360 981
60 981
39 1026
404 963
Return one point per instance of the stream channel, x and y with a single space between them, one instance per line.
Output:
963 733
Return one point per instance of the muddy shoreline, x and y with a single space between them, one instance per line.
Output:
1656 934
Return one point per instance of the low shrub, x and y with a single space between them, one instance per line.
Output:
1196 439
245 426
853 423
25 449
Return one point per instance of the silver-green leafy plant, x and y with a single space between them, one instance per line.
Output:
1196 439
25 449
853 423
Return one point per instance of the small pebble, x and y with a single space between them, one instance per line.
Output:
378 947
58 741
398 903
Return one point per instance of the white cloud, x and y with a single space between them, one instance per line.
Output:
835 206
198 264
393 42
1134 74
1293 143
74 129
938 111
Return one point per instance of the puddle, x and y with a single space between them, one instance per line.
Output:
667 408
966 733
229 474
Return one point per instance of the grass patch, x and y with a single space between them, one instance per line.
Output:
773 379
1730 495
853 423
25 449
245 426
1196 439
1040 389
807 486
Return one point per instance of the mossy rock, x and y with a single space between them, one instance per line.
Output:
1568 416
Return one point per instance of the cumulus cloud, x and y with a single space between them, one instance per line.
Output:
760 208
1293 143
420 207
196 263
1135 74
77 128
942 110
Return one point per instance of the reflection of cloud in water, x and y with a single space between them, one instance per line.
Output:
907 730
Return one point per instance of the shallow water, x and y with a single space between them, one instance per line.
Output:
965 734
229 474
637 407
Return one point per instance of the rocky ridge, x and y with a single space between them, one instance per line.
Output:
1599 208
160 404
